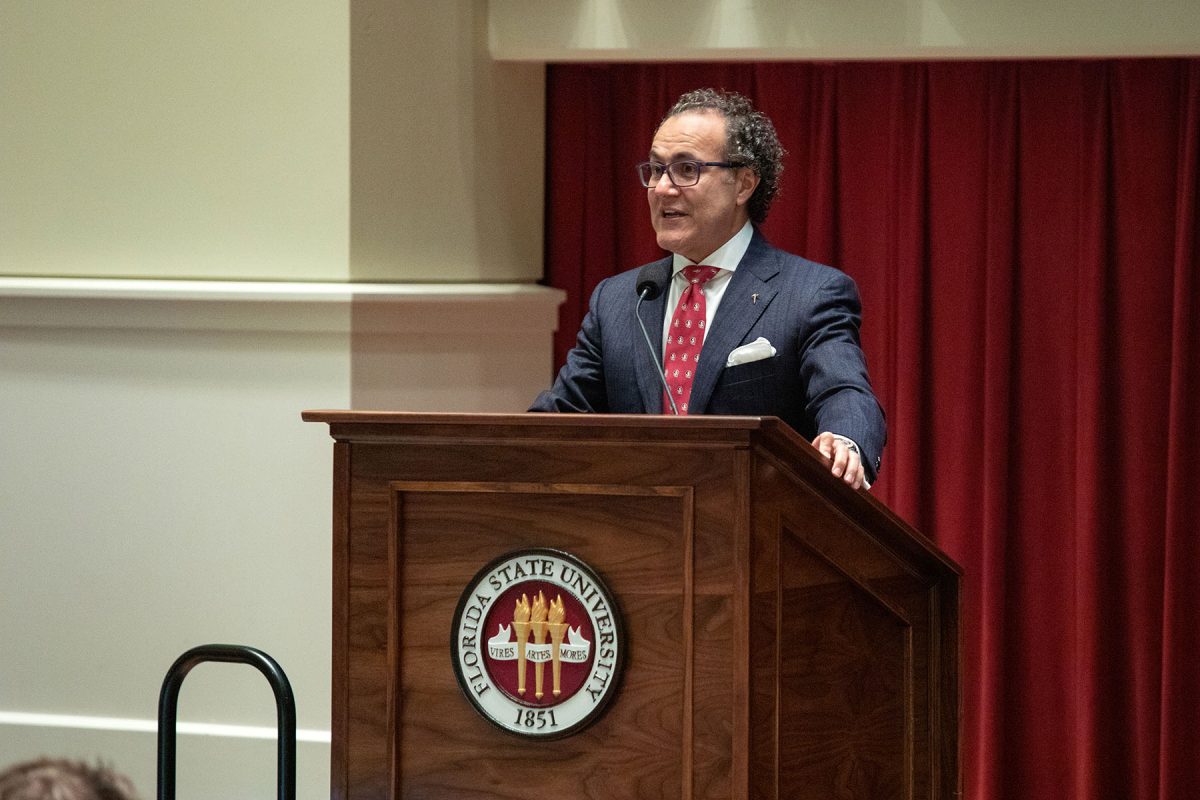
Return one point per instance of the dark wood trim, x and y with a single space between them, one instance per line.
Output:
756 589
339 722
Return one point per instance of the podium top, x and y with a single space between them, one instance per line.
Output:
360 426
769 434
640 422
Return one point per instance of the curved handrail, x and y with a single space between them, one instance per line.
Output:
285 706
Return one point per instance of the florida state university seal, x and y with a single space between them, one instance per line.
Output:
537 643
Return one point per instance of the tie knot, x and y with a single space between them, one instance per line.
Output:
699 274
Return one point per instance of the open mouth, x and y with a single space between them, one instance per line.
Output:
668 214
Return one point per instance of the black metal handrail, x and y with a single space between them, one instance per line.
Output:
285 707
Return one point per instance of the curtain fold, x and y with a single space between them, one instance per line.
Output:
1179 746
1024 238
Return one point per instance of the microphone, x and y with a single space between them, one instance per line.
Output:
650 283
651 280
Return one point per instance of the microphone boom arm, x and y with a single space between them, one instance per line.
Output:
644 292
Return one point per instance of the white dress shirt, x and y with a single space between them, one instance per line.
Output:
726 258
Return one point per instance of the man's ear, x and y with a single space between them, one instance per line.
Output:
747 181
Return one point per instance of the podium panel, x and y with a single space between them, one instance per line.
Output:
784 636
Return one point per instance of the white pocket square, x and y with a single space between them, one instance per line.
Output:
757 350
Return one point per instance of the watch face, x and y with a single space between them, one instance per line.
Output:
537 643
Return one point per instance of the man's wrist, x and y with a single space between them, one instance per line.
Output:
850 443
853 447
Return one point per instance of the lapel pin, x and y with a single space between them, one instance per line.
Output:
754 299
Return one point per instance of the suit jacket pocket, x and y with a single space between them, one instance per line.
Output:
747 389
747 373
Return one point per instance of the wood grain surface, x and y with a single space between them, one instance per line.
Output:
786 637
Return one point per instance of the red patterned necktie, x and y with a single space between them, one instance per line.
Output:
686 337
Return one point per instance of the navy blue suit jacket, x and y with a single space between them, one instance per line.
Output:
809 312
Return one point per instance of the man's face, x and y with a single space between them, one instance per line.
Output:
695 220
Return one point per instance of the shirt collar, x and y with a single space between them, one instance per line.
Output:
727 256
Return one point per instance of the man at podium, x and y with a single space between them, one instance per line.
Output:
726 324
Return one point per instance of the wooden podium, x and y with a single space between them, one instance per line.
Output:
785 635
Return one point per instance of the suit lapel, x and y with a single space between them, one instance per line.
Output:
652 313
746 298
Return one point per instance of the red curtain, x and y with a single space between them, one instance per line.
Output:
1024 236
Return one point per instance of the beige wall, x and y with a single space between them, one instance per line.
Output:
446 157
157 487
713 30
158 490
312 140
202 140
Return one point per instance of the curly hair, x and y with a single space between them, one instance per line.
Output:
750 139
62 779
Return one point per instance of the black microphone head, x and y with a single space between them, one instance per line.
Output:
651 280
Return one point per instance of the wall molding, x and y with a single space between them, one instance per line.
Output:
733 30
93 723
331 307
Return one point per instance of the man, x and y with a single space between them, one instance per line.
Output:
713 171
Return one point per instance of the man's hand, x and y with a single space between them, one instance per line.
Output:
844 459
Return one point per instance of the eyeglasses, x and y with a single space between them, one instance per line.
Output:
680 173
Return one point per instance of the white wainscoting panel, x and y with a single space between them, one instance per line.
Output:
158 490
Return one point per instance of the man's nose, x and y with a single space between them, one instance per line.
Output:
664 186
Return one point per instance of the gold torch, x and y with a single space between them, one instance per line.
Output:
558 629
521 624
539 637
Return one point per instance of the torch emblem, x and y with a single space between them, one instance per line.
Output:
527 611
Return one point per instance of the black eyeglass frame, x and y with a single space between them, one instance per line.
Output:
646 171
